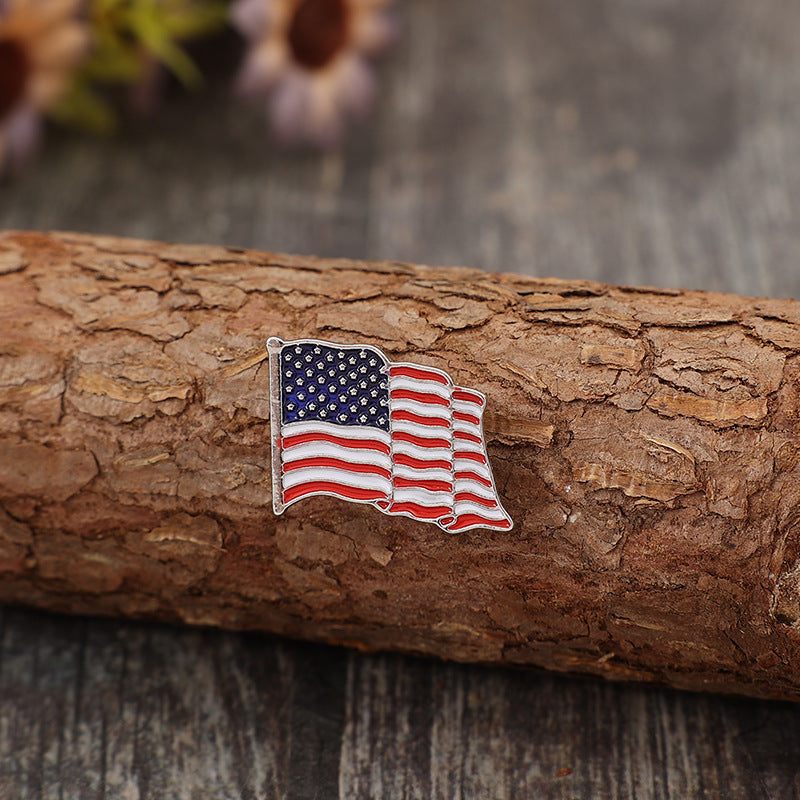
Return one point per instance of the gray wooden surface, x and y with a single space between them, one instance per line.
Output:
632 141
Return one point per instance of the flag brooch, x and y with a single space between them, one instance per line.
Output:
348 422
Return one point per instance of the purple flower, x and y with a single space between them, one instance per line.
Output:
310 60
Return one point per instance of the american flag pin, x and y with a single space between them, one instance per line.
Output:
348 422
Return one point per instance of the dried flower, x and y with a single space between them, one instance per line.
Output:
310 57
41 44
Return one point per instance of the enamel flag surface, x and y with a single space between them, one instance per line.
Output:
348 422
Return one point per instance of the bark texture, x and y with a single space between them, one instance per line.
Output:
644 441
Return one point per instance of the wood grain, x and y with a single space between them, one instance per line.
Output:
644 442
631 142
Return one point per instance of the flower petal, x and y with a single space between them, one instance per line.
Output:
38 17
251 17
46 86
262 66
324 124
21 136
356 86
374 31
62 48
289 106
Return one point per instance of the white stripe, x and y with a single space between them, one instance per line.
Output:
423 453
423 431
427 474
344 431
423 497
467 485
357 480
463 507
329 450
418 385
468 465
423 409
468 408
472 466
466 446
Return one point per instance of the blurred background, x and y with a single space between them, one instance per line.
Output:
629 141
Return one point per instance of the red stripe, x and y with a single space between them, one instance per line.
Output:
322 461
468 437
417 463
475 498
466 417
401 436
433 486
408 416
365 444
407 371
473 476
348 492
420 397
465 520
421 512
470 397
479 457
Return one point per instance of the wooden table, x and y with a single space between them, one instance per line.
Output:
631 141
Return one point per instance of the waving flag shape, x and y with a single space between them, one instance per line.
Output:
348 422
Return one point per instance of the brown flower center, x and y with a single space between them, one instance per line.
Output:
318 31
14 70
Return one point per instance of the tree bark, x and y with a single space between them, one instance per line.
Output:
644 441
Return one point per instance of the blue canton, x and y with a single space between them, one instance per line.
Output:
343 385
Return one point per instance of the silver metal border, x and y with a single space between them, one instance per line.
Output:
274 346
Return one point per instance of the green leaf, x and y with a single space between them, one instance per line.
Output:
82 108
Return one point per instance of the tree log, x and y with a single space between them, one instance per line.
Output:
644 441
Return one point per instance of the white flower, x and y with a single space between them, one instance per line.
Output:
310 59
